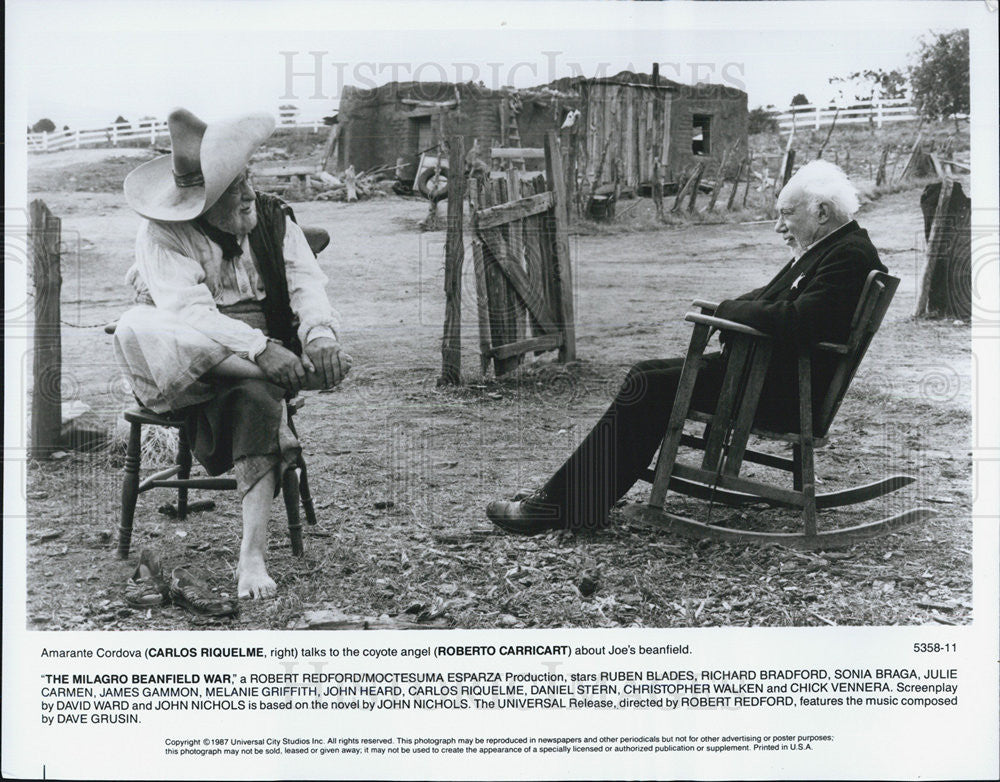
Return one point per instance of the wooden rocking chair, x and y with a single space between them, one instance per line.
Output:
728 429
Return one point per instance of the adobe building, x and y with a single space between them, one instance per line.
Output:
404 119
632 119
627 122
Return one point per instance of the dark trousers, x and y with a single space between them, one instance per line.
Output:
621 445
240 421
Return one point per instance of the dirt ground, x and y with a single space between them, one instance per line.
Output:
402 469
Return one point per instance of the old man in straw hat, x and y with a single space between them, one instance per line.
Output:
235 316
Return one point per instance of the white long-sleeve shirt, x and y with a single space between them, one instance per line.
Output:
185 274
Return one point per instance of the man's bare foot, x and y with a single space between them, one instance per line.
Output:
254 581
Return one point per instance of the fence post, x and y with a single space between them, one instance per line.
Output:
45 142
76 139
114 135
46 397
878 113
557 184
937 245
817 116
454 255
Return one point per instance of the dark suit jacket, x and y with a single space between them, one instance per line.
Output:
809 301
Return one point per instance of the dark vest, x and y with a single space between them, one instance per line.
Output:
266 242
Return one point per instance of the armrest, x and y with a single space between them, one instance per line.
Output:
724 325
832 347
706 306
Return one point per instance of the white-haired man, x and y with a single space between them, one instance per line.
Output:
236 314
810 300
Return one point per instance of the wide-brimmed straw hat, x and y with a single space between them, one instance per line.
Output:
204 161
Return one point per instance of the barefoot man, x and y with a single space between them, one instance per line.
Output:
233 314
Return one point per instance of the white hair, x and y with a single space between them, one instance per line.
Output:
820 181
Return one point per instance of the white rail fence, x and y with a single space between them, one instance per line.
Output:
876 112
143 131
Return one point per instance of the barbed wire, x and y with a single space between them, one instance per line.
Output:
30 295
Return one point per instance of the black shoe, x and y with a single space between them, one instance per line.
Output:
529 516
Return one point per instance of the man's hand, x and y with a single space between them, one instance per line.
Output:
282 367
326 364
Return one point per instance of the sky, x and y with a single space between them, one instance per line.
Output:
84 63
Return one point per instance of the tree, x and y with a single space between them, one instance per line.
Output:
760 120
940 77
871 84
120 121
44 125
799 100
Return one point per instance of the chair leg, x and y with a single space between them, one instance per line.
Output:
797 467
678 414
130 489
808 489
307 501
306 495
184 461
290 494
807 449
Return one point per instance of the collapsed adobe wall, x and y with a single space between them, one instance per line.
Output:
726 108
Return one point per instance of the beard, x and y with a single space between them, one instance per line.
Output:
234 221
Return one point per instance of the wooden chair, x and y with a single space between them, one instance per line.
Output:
728 429
294 486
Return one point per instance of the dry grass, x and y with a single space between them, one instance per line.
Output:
858 148
159 444
401 470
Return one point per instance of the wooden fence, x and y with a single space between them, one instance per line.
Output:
144 130
520 251
876 112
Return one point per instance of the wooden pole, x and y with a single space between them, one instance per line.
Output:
937 244
679 195
880 173
829 133
719 179
515 247
658 187
938 169
694 187
789 164
659 131
454 255
909 159
692 181
46 398
746 190
482 292
571 170
736 186
556 182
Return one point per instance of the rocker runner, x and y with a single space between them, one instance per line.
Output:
811 300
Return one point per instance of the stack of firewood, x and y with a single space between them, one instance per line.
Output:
349 186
